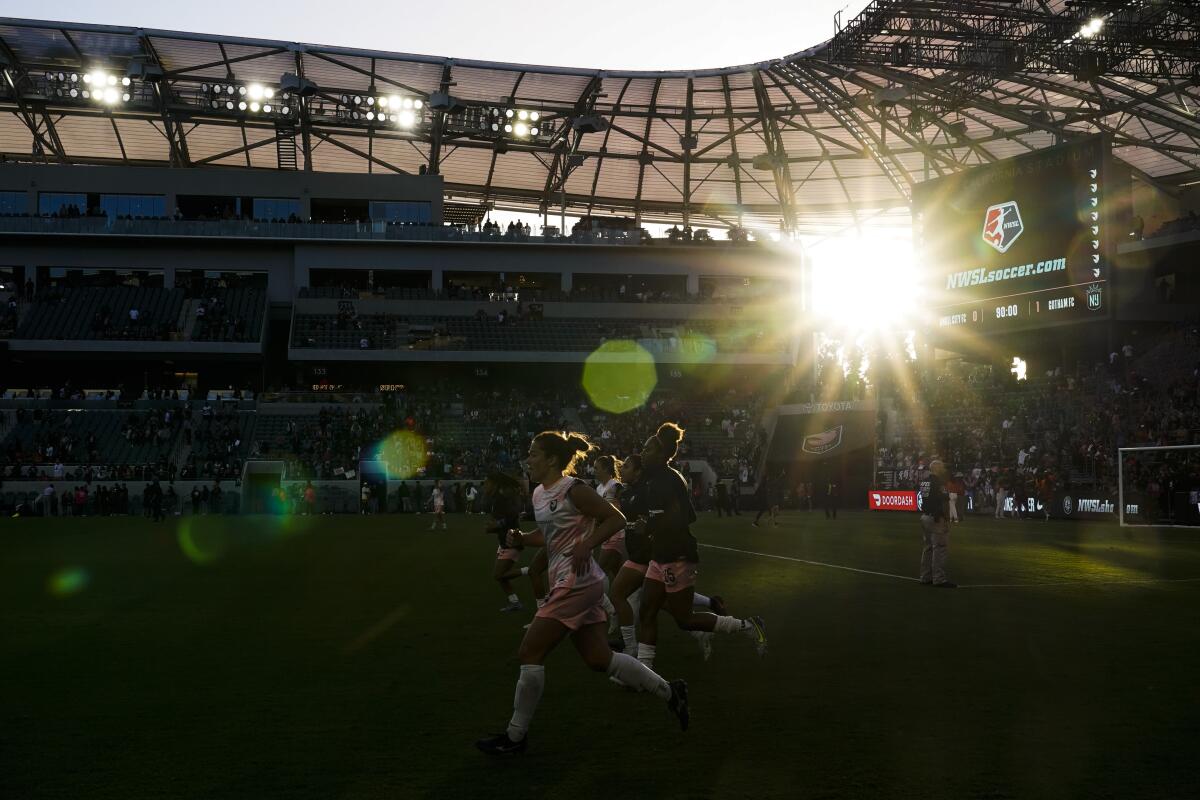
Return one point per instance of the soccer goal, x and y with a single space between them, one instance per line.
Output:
1159 486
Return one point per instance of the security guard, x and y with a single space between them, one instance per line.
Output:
935 529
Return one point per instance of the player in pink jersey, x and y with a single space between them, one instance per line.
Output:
502 496
663 511
572 520
612 553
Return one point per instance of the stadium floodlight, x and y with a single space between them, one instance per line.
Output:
255 91
508 112
241 105
254 106
1091 27
406 118
521 129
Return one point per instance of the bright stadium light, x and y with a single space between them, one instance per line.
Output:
406 118
242 105
254 106
1092 27
534 116
521 129
864 283
256 92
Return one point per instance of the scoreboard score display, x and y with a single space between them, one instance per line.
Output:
1020 243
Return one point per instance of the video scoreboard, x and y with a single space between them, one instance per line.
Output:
1020 243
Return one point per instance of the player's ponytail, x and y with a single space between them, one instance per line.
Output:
566 448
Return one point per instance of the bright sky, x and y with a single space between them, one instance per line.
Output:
611 34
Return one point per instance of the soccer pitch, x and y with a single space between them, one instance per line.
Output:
342 657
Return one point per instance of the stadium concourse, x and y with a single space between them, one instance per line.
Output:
299 345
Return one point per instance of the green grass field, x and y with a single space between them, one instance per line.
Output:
340 657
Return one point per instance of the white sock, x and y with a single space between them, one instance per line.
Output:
512 598
732 625
524 571
629 636
646 654
609 608
525 701
701 601
632 672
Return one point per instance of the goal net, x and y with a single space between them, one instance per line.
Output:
1159 485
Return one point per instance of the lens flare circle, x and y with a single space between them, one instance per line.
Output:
68 581
619 376
404 452
203 545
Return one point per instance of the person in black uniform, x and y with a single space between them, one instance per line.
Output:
833 495
935 529
662 510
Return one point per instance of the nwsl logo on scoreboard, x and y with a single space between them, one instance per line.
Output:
1002 225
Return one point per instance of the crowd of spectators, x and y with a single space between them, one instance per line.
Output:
1058 432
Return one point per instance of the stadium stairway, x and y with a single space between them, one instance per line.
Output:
187 319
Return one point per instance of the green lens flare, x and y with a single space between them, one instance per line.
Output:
202 546
404 452
67 581
619 376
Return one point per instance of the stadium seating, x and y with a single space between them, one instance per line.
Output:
395 332
104 313
237 315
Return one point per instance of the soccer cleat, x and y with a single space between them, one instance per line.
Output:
501 745
705 642
517 606
760 634
678 703
716 604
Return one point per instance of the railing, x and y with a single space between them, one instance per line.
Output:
369 231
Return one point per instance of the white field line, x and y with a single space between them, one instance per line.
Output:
961 586
812 563
376 630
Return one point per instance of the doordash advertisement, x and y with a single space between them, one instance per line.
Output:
894 501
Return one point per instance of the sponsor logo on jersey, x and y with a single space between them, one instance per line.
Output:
1002 225
824 441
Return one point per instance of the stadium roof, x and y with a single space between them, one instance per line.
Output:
909 90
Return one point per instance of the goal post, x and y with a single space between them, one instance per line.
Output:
1159 486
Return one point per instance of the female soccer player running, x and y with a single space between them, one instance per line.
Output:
503 495
572 520
664 511
612 552
625 588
